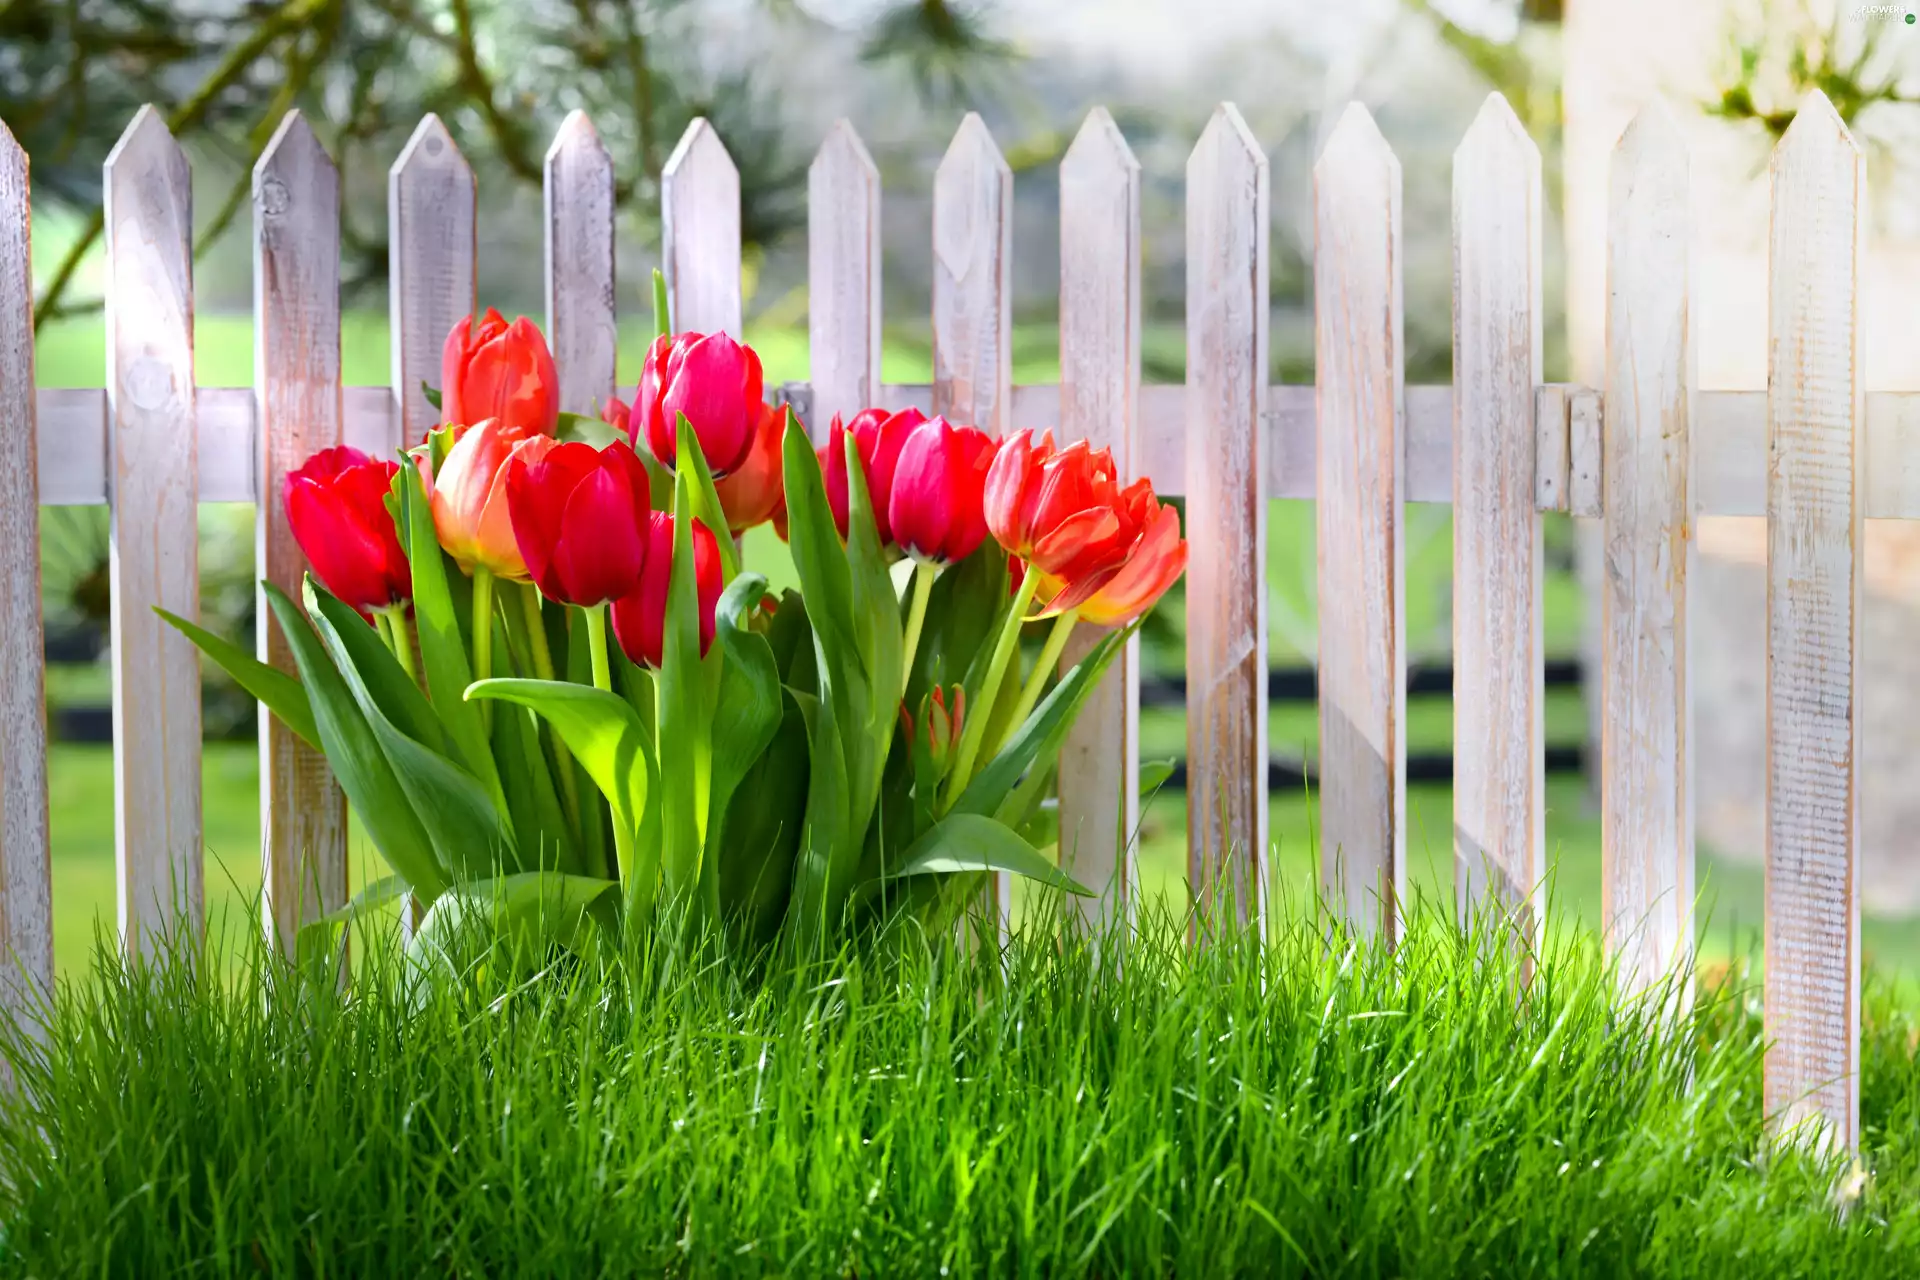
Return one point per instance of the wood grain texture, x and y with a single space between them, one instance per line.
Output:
153 557
973 314
1586 495
1499 785
1361 546
700 233
430 262
1646 720
296 363
1227 218
1814 416
1551 447
581 323
843 279
972 303
1099 784
26 891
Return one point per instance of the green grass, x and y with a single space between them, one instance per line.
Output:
1284 1111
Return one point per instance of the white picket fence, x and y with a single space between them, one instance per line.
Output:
1500 445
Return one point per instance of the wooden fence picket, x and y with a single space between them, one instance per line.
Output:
1815 415
1499 772
1361 536
843 279
973 309
700 233
26 890
296 371
1099 780
1646 774
1227 216
581 322
430 262
153 492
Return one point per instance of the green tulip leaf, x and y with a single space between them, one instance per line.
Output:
359 653
691 460
528 912
600 729
684 708
764 823
277 691
966 842
386 889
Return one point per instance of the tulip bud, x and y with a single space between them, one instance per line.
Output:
577 518
1060 511
751 495
492 369
336 505
939 484
468 497
640 616
712 380
944 726
879 436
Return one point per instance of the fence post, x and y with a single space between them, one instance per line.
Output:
1360 492
700 233
1227 521
1499 780
1815 416
1099 400
430 263
973 310
1646 724
26 893
581 313
843 279
153 491
296 373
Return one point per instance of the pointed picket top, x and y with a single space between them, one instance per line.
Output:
430 147
844 156
581 319
1357 156
1227 144
146 137
11 152
431 252
575 134
1495 131
967 188
1816 118
700 233
843 277
1653 136
293 143
1099 152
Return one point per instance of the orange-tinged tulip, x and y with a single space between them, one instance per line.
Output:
492 369
1156 562
752 494
1059 510
468 496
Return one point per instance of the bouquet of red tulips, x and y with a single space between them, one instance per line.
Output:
552 692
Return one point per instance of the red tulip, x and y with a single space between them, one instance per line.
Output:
939 486
715 382
1059 510
751 495
577 517
1157 560
336 505
617 413
501 371
639 617
468 496
879 436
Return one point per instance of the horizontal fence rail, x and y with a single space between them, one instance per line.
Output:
1645 453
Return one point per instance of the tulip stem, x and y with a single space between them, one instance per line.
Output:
923 576
543 667
975 729
603 681
393 629
1037 682
483 633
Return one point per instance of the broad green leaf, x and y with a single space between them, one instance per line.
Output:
354 753
361 654
587 429
963 617
374 896
599 728
747 713
763 830
529 912
662 323
279 692
691 462
877 631
790 636
819 879
966 842
443 650
1154 775
684 714
431 393
539 824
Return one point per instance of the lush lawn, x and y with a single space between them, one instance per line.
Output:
1296 1110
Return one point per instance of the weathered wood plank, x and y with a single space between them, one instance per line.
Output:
1359 334
581 322
972 303
296 369
1099 784
1585 492
1814 416
1499 784
843 279
1552 446
1646 721
973 311
430 263
700 233
1227 212
154 553
26 891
